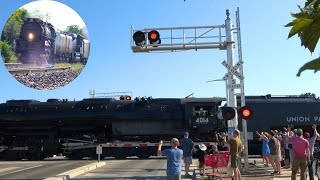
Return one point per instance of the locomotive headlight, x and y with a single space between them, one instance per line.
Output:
30 36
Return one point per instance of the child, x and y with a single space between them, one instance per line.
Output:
201 154
214 151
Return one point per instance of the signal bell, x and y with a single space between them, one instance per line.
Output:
245 112
228 113
154 38
139 38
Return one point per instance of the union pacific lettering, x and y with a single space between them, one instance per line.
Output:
291 119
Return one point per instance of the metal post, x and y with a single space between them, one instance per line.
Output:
231 99
243 103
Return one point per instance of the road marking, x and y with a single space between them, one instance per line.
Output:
20 170
7 169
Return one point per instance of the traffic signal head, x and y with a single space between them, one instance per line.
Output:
139 38
126 98
245 112
154 37
228 113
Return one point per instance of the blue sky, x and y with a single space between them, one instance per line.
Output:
271 61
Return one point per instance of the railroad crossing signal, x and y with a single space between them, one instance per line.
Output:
228 113
154 38
125 98
245 112
139 38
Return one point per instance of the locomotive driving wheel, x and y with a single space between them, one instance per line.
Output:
34 151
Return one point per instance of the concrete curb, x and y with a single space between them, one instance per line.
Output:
76 172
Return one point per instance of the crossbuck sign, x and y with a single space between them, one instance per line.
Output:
233 71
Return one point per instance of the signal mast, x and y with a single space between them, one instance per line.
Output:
204 37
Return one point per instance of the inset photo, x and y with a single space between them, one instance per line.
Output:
45 45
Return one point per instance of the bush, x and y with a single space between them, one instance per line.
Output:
6 52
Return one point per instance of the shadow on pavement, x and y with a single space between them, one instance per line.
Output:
132 177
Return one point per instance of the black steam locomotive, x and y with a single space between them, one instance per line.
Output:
40 42
34 130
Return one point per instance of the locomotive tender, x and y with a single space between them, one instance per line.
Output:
276 112
34 130
39 41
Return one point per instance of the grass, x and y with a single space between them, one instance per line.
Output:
77 66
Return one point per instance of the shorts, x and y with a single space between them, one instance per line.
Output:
234 162
287 154
274 158
174 177
187 160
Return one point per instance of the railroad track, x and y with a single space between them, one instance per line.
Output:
36 70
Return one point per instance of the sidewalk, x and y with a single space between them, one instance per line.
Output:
256 171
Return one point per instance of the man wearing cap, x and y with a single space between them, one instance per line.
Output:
187 146
235 150
301 149
174 157
311 140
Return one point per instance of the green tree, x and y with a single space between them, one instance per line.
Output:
74 29
12 28
306 24
6 51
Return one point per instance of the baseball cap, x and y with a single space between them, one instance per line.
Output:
186 133
299 132
175 140
306 135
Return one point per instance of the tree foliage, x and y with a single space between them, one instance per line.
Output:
74 29
6 51
306 24
12 28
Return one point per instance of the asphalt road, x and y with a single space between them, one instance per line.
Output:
25 170
131 168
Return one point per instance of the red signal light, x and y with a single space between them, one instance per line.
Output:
128 98
246 112
154 37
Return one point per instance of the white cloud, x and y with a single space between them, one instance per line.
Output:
61 15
